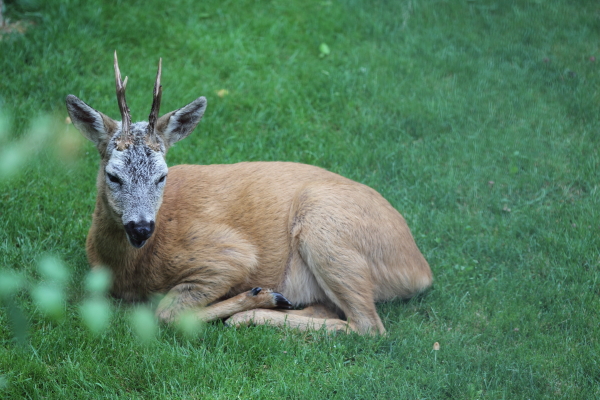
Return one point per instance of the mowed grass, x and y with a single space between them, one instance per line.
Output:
478 120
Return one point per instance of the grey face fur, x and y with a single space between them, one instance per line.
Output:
133 179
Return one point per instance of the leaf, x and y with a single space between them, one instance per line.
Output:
98 281
96 314
143 323
188 324
50 300
10 283
12 158
52 269
324 50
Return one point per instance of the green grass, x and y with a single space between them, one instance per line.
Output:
477 119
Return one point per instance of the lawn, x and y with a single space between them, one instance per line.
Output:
477 119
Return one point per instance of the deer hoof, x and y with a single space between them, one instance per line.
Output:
280 301
255 291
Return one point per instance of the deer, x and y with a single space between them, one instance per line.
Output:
209 238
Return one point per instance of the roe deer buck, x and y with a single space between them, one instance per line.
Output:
208 236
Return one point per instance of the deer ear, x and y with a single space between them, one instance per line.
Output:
178 124
94 125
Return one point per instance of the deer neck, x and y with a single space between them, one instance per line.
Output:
107 245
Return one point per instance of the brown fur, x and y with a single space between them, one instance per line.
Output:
314 236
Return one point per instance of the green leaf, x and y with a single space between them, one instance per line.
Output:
324 50
143 323
189 324
10 283
96 314
98 281
50 300
52 269
12 158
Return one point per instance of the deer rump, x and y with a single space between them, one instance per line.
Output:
210 237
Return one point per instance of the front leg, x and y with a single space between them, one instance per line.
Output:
184 297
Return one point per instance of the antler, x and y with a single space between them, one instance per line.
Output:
151 139
157 95
125 139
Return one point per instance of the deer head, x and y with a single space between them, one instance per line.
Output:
133 170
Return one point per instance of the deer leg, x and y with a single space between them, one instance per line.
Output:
183 297
311 318
344 274
314 311
350 289
252 299
345 279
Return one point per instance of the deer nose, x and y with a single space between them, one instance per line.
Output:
139 231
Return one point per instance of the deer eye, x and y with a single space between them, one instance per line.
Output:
113 178
161 179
